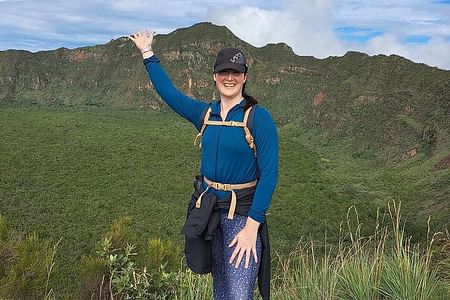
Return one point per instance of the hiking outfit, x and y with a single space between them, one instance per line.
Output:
235 182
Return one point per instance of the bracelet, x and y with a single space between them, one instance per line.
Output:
146 50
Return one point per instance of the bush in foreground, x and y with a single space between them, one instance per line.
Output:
26 265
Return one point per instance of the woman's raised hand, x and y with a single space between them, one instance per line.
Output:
143 40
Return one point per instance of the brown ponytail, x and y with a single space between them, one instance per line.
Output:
250 100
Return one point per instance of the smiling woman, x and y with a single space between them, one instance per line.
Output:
226 229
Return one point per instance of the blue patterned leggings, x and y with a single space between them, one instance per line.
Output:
230 283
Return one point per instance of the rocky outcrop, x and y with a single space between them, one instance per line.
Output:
429 134
298 70
145 86
80 55
319 98
442 164
409 110
409 153
39 83
273 80
171 55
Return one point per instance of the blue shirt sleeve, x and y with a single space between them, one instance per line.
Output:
266 139
187 107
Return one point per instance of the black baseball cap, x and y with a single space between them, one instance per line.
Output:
230 58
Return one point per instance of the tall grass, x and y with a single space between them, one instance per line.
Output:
406 271
193 286
385 265
304 275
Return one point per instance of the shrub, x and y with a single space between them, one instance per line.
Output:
92 278
120 233
128 281
115 274
162 253
29 272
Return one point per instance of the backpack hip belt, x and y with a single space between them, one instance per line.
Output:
228 188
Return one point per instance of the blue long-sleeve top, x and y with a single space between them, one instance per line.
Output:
226 156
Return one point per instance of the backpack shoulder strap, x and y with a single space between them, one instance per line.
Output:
251 117
248 126
204 118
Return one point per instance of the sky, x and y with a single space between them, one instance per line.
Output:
416 29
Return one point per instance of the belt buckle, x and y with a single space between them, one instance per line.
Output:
220 186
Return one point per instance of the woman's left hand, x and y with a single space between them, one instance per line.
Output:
245 242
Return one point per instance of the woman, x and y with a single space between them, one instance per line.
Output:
237 181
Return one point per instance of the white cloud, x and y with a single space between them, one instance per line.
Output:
434 53
308 31
397 20
402 17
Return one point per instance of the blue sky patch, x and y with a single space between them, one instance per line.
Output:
357 34
441 2
417 39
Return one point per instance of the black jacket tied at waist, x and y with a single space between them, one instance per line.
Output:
200 226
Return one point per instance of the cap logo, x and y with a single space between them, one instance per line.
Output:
236 57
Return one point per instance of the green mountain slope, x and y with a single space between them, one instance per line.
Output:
383 100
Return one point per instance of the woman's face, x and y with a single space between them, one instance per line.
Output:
229 83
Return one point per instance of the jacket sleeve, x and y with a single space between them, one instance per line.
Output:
266 140
185 106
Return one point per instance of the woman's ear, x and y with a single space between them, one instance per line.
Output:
214 76
245 77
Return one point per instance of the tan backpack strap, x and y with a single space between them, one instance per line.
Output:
198 203
247 113
198 138
226 123
248 135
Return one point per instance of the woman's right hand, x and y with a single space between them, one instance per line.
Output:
143 40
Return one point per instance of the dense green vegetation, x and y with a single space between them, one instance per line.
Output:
70 173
